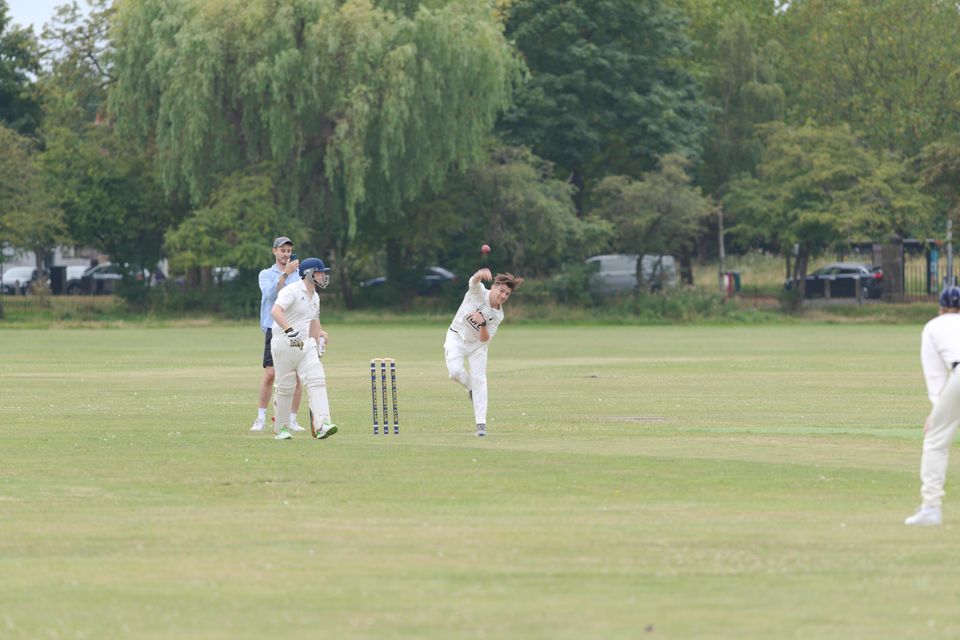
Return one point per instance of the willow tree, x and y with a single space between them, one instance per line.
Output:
358 108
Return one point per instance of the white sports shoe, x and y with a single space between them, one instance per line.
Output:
295 427
327 430
257 425
481 430
283 435
925 517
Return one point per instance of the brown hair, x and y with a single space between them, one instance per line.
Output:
508 279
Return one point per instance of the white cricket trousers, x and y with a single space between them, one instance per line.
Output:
457 352
291 362
941 428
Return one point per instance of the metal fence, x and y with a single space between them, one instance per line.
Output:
925 274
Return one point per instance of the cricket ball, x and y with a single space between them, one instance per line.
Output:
485 249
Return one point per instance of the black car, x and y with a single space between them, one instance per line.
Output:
103 279
430 283
843 278
74 284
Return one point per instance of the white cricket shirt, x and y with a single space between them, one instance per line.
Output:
939 349
476 298
299 308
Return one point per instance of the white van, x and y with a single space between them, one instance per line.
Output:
616 273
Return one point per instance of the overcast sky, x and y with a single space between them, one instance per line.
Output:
36 12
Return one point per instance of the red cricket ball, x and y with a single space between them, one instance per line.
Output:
485 249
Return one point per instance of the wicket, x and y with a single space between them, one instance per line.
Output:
382 364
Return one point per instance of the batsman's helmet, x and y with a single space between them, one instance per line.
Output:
950 298
312 265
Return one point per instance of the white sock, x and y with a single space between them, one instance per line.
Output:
293 418
261 414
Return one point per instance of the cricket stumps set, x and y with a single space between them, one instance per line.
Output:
380 364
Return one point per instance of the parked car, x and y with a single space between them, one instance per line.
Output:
430 283
74 284
616 273
103 278
225 274
18 280
843 278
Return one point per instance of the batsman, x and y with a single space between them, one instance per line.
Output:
298 342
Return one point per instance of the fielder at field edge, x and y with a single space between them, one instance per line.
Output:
297 342
940 358
469 335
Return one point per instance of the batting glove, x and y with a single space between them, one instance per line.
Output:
296 341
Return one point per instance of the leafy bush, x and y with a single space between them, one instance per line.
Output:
791 300
571 286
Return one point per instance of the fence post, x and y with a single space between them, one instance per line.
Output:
859 293
893 271
950 278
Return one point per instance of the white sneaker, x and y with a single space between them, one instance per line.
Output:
327 430
295 427
257 425
926 517
283 435
481 430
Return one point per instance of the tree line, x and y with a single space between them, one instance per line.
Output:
395 134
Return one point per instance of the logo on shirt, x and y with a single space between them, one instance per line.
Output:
473 323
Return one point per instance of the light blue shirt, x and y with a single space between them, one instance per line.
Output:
269 279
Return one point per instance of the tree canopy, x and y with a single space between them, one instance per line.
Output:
661 213
19 64
233 228
888 69
742 85
109 191
358 106
608 89
818 187
29 216
514 202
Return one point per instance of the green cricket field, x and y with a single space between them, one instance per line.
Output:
664 482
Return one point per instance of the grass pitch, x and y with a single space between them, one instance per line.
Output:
687 482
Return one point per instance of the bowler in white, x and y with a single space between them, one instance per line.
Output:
473 327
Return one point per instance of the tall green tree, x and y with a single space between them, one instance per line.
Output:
360 108
741 84
608 91
820 187
890 69
661 213
514 202
109 193
706 19
231 229
29 216
19 65
939 169
79 56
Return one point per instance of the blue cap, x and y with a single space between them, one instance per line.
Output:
950 298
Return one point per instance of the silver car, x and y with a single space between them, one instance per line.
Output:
616 273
